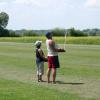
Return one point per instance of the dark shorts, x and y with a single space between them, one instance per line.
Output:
53 62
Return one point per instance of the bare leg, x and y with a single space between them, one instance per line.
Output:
54 74
48 74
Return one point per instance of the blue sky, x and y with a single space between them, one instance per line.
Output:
48 14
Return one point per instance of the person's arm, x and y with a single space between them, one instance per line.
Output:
60 50
42 55
52 45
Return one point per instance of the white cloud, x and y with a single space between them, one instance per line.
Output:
43 3
41 14
92 3
39 3
24 1
2 0
3 3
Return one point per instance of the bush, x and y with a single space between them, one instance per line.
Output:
58 32
29 33
4 32
76 33
13 34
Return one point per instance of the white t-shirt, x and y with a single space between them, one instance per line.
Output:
51 52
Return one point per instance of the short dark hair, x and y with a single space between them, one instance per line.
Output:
38 46
48 34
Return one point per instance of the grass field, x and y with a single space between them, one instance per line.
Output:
77 79
70 40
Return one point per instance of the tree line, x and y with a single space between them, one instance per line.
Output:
4 18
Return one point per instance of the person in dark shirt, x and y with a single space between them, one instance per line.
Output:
40 59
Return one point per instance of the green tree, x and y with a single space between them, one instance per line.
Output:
29 33
3 23
58 32
76 33
4 19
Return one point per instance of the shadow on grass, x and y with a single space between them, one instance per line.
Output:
61 82
72 83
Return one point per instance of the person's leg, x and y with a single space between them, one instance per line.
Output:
41 70
38 76
53 74
49 69
48 74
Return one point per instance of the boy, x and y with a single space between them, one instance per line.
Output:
40 58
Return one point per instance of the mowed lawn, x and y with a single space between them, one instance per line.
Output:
77 79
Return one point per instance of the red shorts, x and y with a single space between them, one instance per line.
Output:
53 62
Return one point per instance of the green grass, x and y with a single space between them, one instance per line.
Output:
77 79
80 59
69 40
14 90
